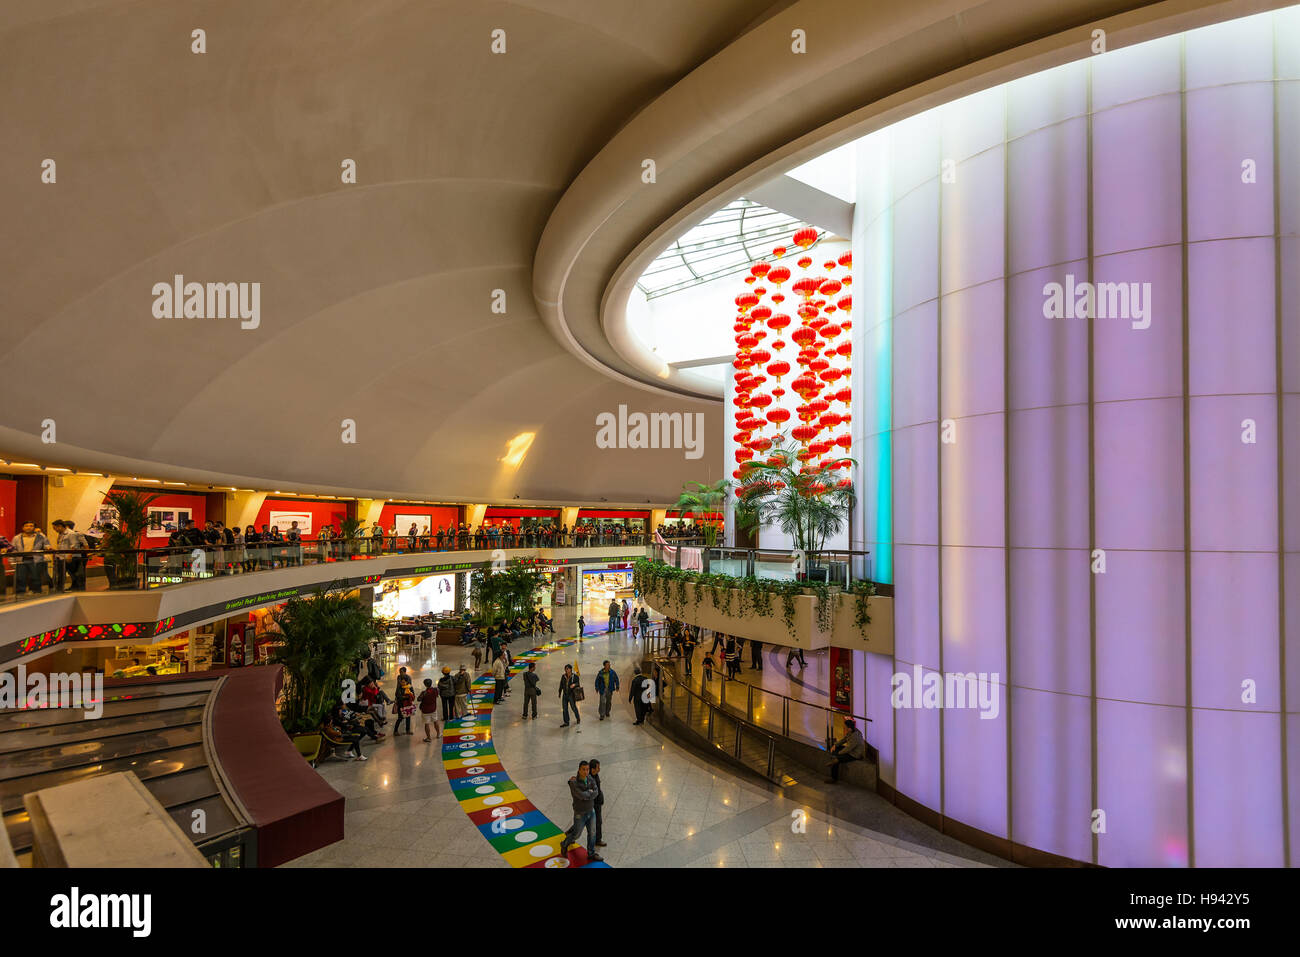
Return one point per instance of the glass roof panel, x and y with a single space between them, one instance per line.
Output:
727 242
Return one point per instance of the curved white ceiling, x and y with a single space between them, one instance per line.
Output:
756 110
476 172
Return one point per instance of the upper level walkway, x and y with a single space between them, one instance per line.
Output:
132 614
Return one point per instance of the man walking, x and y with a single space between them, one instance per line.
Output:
499 673
532 691
606 685
600 801
462 692
790 658
569 685
584 791
688 650
447 694
851 747
755 655
613 616
639 692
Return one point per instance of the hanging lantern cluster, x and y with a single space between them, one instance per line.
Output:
816 363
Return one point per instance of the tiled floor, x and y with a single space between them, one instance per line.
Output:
664 806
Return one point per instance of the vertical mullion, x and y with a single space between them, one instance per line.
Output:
1092 480
1006 442
1281 431
1187 466
938 478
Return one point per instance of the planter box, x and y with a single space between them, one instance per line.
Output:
877 637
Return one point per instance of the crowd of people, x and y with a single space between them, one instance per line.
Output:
39 563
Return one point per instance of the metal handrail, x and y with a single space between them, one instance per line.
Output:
830 714
742 727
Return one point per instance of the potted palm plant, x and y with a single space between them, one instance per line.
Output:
810 503
323 638
705 501
350 529
120 543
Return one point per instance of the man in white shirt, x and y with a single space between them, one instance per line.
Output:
30 545
74 566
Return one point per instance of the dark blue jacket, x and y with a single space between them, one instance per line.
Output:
600 681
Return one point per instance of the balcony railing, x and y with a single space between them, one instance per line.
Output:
56 571
758 708
833 567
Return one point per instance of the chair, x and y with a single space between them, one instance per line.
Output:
310 746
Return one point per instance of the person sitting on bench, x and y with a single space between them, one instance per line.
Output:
851 747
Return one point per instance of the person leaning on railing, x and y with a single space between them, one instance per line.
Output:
30 545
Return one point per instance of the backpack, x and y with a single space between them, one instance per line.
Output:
447 686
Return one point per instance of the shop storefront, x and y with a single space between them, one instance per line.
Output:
412 597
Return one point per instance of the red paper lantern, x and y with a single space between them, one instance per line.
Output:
778 275
777 416
829 420
745 300
806 287
844 441
779 322
760 356
778 369
845 348
759 313
803 335
760 269
761 401
744 455
845 303
846 260
829 331
804 433
778 251
778 298
805 237
830 287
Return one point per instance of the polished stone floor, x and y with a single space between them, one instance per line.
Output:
665 806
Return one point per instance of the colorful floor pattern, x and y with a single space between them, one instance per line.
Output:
508 821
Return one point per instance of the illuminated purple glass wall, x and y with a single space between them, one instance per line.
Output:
1023 450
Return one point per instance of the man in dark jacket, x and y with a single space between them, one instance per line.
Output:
569 684
584 791
755 655
531 690
594 765
606 684
639 692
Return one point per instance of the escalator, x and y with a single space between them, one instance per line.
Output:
152 728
